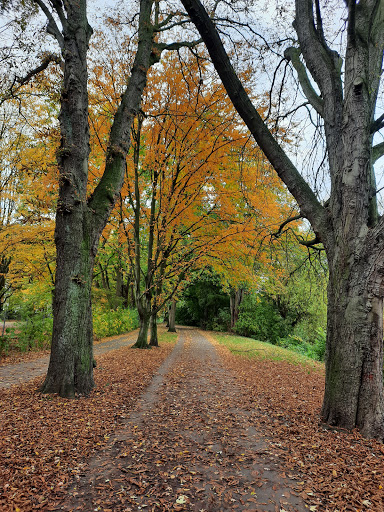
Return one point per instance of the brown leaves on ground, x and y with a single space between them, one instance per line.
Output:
340 471
45 439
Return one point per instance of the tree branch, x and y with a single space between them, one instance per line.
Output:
299 188
293 54
52 27
178 45
285 223
48 58
323 63
378 124
377 152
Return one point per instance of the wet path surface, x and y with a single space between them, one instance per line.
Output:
11 374
189 445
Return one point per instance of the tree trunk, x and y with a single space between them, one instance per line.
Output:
354 370
166 318
154 341
354 356
347 224
71 364
80 221
172 313
236 298
142 338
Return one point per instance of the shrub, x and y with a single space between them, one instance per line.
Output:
259 319
35 333
4 345
315 349
113 322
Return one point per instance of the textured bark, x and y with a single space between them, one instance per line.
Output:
154 340
142 338
172 313
236 298
348 224
79 222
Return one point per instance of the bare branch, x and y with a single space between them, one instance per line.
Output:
52 27
48 58
378 124
377 152
178 45
293 54
285 223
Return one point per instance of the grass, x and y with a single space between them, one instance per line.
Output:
253 349
165 336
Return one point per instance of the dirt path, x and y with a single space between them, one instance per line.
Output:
12 374
188 445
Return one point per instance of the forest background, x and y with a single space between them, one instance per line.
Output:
200 219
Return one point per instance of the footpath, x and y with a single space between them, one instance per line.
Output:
188 445
11 374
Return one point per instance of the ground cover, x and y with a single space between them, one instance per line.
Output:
341 471
192 447
45 440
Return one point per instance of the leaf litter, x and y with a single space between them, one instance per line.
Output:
245 436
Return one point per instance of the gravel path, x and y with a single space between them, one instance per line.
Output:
11 374
188 445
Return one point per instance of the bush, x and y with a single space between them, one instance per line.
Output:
113 322
259 319
35 333
4 345
222 322
314 349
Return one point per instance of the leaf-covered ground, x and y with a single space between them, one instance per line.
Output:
213 431
45 440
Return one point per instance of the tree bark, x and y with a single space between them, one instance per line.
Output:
172 313
142 338
236 298
354 355
154 340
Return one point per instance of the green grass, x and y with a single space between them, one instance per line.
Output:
253 349
167 337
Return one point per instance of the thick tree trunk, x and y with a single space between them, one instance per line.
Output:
347 224
354 356
172 313
71 364
80 221
142 338
154 341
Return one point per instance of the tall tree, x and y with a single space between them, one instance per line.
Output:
81 217
348 223
189 184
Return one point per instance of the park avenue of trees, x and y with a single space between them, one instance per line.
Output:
185 192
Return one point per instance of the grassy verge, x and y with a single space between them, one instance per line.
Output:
251 349
165 336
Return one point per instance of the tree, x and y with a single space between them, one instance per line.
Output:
81 216
190 195
347 223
